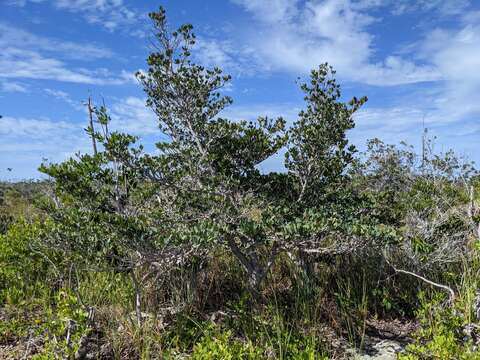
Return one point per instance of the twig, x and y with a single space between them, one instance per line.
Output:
70 328
90 116
27 350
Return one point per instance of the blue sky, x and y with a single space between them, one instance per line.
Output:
418 62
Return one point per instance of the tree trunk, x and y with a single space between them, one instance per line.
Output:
255 271
138 304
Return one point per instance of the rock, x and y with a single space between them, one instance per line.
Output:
476 305
91 349
471 333
378 350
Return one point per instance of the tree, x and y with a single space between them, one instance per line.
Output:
100 206
130 210
318 151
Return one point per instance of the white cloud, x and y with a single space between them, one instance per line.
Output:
239 59
450 108
456 55
65 97
405 123
212 53
110 14
45 135
133 116
271 11
32 128
391 124
442 7
20 63
10 86
26 142
252 111
129 77
59 94
302 35
29 56
13 36
338 31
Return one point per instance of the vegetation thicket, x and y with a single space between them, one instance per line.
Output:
193 252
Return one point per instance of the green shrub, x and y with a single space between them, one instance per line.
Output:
222 346
24 272
441 335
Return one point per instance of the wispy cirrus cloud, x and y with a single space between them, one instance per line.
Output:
26 142
272 11
441 7
66 98
288 111
11 35
33 128
12 86
110 14
29 56
128 115
18 63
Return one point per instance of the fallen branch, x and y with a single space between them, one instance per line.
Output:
451 298
451 293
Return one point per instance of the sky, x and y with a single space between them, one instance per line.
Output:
418 61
